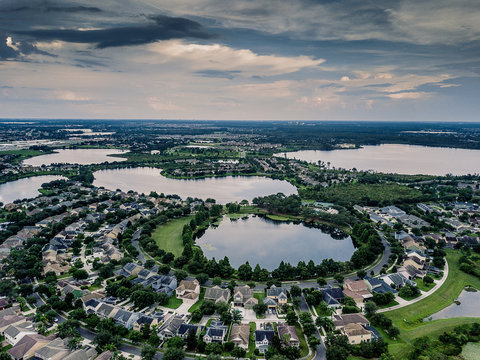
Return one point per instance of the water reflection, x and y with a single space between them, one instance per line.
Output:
396 158
265 242
76 156
24 188
222 189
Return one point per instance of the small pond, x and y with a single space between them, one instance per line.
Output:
266 242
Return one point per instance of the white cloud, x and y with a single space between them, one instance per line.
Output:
223 58
68 95
409 95
159 104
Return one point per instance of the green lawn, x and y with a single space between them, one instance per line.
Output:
392 303
169 236
199 302
259 296
409 319
421 285
22 154
174 303
279 217
251 344
471 351
303 342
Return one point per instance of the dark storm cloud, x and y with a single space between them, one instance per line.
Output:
17 50
163 28
53 8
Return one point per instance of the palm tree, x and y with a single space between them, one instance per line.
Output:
236 316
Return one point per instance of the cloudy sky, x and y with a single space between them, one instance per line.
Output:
241 59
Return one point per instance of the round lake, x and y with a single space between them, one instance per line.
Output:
396 158
267 243
24 188
76 156
222 189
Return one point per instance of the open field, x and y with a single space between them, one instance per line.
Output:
169 236
471 351
409 319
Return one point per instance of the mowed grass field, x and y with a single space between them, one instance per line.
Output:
169 236
409 319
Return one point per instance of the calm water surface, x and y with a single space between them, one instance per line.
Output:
222 189
267 243
24 188
76 156
395 158
469 307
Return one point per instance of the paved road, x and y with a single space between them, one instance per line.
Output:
135 237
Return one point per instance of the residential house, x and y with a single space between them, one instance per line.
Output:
215 332
188 289
126 318
356 333
57 349
332 296
185 329
148 320
26 347
240 335
288 334
278 294
396 280
340 321
217 294
106 311
14 333
357 290
377 285
263 339
7 320
170 327
243 296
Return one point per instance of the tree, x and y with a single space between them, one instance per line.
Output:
173 354
291 318
361 274
370 308
238 352
135 336
148 352
213 348
80 274
338 278
325 323
260 309
191 340
321 281
176 342
236 316
295 291
313 342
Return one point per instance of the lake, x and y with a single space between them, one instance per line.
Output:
469 307
396 158
222 189
76 156
24 188
267 242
